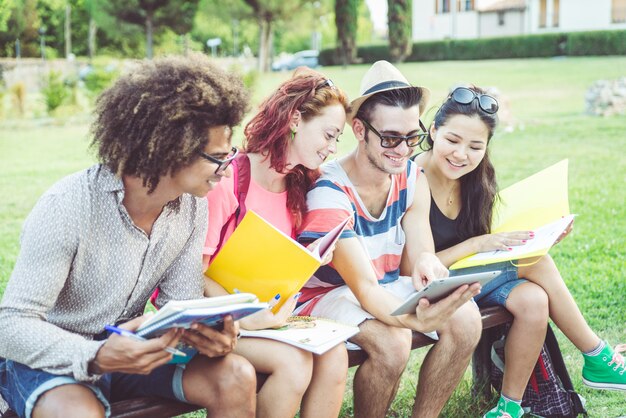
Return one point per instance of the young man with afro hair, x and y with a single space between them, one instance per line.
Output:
98 243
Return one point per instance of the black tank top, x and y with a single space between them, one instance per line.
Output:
445 233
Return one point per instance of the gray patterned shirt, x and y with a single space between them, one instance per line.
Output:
84 264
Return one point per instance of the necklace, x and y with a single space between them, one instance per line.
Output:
450 199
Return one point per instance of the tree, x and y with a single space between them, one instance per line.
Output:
20 21
399 18
346 18
155 15
267 12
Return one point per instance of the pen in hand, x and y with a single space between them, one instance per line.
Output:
130 334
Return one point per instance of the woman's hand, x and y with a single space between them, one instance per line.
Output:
504 241
268 319
565 233
329 254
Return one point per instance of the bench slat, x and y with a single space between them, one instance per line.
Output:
149 407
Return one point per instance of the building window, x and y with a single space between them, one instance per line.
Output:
465 5
555 13
542 13
500 18
618 11
442 6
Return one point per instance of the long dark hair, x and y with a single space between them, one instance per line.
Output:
479 187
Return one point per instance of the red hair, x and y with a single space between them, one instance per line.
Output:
268 132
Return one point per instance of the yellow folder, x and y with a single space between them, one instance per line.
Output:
260 259
537 203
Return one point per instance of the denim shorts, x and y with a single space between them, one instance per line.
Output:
498 290
21 386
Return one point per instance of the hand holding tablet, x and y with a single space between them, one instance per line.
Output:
439 289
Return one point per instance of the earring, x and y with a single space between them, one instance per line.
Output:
293 134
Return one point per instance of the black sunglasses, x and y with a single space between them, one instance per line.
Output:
463 95
222 165
392 141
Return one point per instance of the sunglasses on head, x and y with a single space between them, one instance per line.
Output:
463 95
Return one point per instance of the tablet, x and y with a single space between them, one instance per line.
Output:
439 289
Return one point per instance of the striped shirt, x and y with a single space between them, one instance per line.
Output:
333 198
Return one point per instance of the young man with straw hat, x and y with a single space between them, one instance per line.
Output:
388 252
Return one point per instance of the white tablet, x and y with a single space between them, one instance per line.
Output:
439 289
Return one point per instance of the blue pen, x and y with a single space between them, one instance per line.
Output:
130 334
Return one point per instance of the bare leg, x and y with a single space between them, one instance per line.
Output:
325 393
225 386
288 371
563 309
528 303
56 402
447 360
377 379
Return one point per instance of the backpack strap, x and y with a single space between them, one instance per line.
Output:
241 183
552 345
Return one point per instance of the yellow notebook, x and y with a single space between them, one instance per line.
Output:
260 259
539 203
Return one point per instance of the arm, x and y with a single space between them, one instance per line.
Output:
487 242
184 280
418 258
49 241
355 268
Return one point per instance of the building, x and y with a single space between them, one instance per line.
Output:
468 19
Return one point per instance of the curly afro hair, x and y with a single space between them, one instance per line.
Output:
154 120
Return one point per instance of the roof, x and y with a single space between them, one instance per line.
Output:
502 5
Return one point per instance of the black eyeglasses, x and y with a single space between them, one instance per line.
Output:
463 95
392 141
222 165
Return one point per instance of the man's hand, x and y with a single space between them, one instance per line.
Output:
127 355
426 269
210 341
431 316
267 319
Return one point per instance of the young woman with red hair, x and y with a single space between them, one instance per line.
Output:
292 134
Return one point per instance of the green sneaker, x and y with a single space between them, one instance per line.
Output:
505 409
607 370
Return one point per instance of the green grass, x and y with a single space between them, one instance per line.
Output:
546 102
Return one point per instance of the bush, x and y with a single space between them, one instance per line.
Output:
99 79
54 91
523 46
596 43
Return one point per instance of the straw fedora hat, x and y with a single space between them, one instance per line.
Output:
383 76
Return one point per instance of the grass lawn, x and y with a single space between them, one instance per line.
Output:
546 103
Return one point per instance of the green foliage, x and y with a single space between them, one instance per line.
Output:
54 91
525 46
597 43
99 79
249 77
18 96
22 23
400 14
155 15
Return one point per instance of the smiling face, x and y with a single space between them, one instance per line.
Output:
388 120
316 138
199 177
459 145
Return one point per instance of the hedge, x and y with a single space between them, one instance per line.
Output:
523 46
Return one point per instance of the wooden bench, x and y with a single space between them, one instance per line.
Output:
493 319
